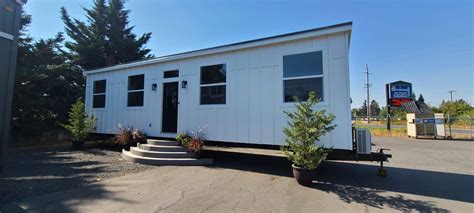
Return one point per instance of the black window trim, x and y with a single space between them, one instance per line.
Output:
201 85
302 77
136 90
98 93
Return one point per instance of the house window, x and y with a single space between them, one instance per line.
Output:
98 94
171 74
303 73
136 85
213 84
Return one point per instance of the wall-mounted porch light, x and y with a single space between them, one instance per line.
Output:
153 87
184 84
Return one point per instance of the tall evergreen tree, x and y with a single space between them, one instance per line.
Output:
46 84
421 99
363 109
374 108
105 38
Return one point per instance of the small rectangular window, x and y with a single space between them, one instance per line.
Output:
301 88
303 64
213 84
98 101
136 85
213 74
135 99
171 74
98 93
213 95
136 82
303 73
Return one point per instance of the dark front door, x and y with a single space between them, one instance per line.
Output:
170 107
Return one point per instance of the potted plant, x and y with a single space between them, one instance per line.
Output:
197 142
305 127
129 136
79 124
183 138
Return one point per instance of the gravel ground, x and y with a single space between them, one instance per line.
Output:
35 172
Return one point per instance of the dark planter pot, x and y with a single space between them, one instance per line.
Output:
303 176
78 145
126 147
197 155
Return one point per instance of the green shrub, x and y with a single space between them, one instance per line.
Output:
305 127
183 138
79 124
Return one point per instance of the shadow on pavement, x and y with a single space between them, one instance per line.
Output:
36 172
354 182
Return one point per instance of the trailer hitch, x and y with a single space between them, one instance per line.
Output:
382 172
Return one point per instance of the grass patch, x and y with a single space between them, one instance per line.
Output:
377 131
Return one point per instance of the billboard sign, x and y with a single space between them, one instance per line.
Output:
398 93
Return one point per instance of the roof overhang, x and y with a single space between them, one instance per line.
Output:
338 28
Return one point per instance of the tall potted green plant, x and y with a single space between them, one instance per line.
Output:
79 124
305 127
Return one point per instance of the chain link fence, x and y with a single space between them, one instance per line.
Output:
459 127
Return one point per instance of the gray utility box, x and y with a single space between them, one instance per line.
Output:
426 125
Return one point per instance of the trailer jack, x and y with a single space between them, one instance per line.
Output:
382 172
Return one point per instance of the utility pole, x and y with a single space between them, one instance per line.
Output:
387 93
451 94
367 86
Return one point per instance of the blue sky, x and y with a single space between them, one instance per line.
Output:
428 43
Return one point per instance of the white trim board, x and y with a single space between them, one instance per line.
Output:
6 35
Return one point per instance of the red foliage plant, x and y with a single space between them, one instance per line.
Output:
195 145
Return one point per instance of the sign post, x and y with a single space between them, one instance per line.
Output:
397 93
11 12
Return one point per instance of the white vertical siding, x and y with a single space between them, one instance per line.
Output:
254 109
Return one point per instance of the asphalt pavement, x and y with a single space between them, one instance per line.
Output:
423 176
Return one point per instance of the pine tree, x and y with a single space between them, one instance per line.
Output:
363 110
421 99
305 127
105 38
46 84
79 124
374 108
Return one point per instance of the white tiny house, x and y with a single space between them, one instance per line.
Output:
239 91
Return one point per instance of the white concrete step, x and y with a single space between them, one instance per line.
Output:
158 148
162 142
154 154
165 161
